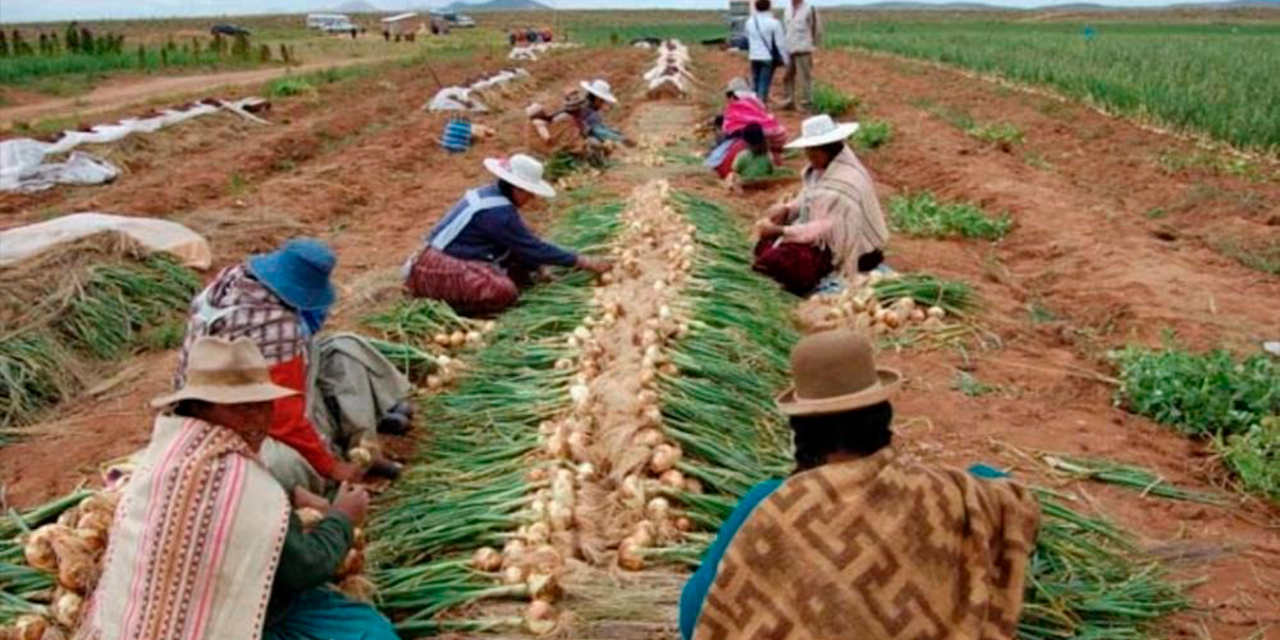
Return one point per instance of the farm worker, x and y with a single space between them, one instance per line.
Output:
835 225
742 109
766 47
859 542
346 388
804 32
755 161
560 131
599 97
204 536
480 253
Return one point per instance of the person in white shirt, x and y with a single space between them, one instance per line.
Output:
804 31
767 48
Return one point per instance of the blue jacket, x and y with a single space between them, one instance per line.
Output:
498 233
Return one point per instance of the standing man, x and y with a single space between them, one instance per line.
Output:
766 47
803 34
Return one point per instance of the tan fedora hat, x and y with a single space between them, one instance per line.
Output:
835 371
225 372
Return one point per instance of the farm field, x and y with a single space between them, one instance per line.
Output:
1087 244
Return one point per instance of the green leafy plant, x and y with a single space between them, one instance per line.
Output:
1209 394
872 134
1254 457
970 386
921 214
1003 136
831 101
290 86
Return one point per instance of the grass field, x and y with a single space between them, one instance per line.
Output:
1219 79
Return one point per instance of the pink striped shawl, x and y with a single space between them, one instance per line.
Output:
195 543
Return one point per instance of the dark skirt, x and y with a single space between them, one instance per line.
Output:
797 267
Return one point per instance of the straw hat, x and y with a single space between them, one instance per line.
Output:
521 171
225 372
739 88
298 273
600 89
820 130
834 372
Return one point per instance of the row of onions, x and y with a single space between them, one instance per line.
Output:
483 468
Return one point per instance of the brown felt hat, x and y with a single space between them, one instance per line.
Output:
834 372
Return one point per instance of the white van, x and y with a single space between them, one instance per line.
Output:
322 20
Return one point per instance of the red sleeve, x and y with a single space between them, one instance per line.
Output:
289 424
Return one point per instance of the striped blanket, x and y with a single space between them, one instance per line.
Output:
876 549
195 542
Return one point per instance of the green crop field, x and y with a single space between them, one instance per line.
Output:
1220 79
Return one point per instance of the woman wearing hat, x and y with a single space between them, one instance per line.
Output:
834 225
860 542
599 97
280 300
478 253
204 537
578 127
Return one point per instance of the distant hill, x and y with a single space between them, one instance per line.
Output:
895 5
356 6
496 5
1075 7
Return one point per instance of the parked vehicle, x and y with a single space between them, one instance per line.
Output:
228 29
322 20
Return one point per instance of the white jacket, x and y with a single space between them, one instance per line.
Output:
762 30
803 28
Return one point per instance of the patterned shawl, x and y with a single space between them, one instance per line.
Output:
236 305
195 542
845 192
876 549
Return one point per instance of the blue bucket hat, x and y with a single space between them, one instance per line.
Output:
298 272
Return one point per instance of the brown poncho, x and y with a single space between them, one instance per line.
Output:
876 549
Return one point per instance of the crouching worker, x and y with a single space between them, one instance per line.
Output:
859 542
204 544
600 97
480 253
756 161
347 391
834 226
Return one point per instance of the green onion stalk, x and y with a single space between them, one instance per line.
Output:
23 588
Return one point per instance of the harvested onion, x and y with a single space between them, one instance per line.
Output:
486 559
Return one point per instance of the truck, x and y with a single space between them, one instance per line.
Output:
322 20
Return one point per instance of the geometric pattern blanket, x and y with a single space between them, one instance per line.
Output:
876 549
195 542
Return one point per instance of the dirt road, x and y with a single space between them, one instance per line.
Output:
114 96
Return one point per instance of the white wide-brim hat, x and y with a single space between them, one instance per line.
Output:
819 130
600 89
522 171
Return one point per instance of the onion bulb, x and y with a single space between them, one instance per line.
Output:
352 563
580 394
892 319
434 382
539 533
540 618
579 445
917 315
560 515
38 549
474 337
536 475
907 304
629 557
649 438
665 457
693 485
633 487
457 339
442 339
31 627
513 574
512 550
672 478
658 508
486 559
683 524
490 325
937 312
582 333
361 457
309 517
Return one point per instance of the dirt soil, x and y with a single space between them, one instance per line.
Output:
360 167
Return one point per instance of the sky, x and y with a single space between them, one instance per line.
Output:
49 10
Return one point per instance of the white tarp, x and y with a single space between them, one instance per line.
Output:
670 76
23 158
468 98
21 243
532 51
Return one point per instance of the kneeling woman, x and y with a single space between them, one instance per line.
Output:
835 225
476 257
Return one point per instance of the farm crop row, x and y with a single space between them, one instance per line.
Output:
1218 79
